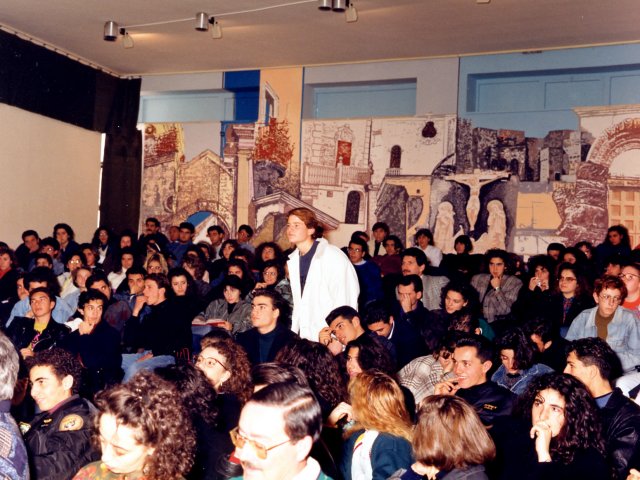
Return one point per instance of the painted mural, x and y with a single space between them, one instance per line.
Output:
503 189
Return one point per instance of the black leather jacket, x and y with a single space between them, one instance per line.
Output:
489 400
621 421
59 442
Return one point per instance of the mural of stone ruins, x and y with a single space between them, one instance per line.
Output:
501 188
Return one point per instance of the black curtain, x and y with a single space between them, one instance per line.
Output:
41 81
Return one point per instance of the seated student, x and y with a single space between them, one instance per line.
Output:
422 374
42 277
611 322
269 332
555 251
232 312
594 363
380 231
159 337
550 346
58 439
412 311
369 276
37 333
50 246
555 434
630 275
414 262
517 356
380 429
449 442
573 295
13 458
116 312
405 338
344 326
472 359
497 290
96 344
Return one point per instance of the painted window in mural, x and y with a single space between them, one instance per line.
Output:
353 208
343 154
396 156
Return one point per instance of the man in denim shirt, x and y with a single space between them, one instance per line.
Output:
610 322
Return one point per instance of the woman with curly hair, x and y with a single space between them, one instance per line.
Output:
517 355
267 252
199 398
143 430
321 369
379 433
555 434
572 295
227 367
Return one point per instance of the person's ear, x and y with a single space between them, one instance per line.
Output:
303 447
419 295
486 366
67 382
356 322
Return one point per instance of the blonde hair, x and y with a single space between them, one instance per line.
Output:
156 257
449 434
378 404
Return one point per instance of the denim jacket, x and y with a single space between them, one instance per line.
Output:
623 333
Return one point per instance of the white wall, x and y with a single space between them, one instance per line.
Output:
49 173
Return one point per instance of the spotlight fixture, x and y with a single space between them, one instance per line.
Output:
127 41
216 29
340 5
202 22
351 13
324 5
110 31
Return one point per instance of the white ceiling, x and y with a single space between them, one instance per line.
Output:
303 35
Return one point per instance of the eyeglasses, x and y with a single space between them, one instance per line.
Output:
609 298
240 440
628 276
567 279
270 274
357 250
209 362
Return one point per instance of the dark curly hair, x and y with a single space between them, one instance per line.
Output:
320 368
582 427
372 354
468 293
237 362
198 396
151 406
61 362
522 346
279 256
583 287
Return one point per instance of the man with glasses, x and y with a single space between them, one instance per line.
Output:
368 272
630 275
270 333
277 429
610 322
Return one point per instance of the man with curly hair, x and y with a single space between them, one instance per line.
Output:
58 439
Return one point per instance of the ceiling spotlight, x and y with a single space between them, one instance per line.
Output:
339 5
324 5
351 13
202 22
127 41
216 29
110 31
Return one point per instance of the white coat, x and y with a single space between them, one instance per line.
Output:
331 282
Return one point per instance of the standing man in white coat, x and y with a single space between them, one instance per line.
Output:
322 277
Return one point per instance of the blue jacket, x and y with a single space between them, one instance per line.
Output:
623 333
388 454
525 377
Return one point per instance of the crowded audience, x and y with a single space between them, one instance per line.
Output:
155 357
